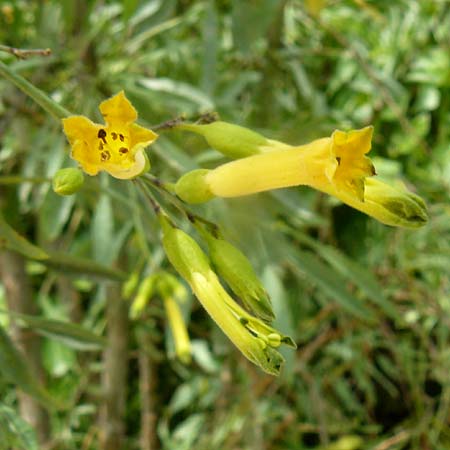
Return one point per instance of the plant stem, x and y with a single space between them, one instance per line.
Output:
20 300
147 389
40 97
23 53
112 420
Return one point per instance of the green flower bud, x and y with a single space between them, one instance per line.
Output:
192 188
183 252
130 285
253 337
231 140
68 181
234 267
395 206
144 293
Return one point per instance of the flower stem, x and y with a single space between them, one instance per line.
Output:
40 97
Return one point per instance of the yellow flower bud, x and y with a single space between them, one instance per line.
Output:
68 181
178 329
248 333
390 205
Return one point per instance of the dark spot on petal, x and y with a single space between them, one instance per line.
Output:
338 159
114 135
121 137
123 150
105 155
102 135
100 145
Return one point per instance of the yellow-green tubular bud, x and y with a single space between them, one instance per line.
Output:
191 187
68 181
390 205
129 286
225 312
178 329
230 140
183 252
170 286
234 267
249 334
402 208
144 293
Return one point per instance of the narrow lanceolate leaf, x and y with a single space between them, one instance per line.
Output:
12 240
330 282
353 272
76 265
70 334
14 369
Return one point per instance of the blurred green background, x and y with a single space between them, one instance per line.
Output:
367 304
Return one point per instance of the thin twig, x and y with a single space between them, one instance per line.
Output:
388 443
192 217
23 53
204 119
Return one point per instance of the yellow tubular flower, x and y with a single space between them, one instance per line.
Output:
117 147
336 165
337 161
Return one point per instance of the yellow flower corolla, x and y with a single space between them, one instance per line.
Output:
117 147
337 165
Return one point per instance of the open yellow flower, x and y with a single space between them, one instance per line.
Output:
336 165
117 147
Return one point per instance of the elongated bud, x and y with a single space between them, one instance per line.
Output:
129 286
393 206
191 187
229 139
183 252
178 329
144 293
171 286
234 267
68 181
254 338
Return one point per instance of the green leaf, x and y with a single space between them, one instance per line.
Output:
179 89
70 334
329 282
102 231
15 369
76 265
12 240
353 272
54 214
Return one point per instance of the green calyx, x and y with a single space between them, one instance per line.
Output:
231 140
192 187
235 268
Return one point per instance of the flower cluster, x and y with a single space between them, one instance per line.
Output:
336 165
